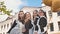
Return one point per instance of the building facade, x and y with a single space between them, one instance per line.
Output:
6 24
53 20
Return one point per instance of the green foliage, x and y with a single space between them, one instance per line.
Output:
3 8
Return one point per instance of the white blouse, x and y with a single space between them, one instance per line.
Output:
18 28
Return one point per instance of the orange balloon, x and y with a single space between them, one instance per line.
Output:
55 5
48 2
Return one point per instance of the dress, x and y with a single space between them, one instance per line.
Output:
18 28
28 27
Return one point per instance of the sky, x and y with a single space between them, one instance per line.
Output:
34 3
16 5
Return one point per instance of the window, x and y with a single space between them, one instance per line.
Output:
11 24
51 27
59 25
1 27
7 25
4 26
50 14
58 13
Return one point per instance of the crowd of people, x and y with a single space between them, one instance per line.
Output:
25 25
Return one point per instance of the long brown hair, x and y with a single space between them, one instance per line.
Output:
25 17
19 17
43 12
36 12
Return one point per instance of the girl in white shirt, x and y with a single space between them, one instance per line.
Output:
18 25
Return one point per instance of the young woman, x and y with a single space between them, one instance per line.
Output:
42 20
18 25
35 14
28 23
35 21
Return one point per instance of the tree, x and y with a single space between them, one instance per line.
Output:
3 8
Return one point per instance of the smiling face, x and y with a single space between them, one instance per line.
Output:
34 13
28 16
21 14
41 13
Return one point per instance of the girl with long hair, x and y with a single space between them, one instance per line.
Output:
28 22
18 25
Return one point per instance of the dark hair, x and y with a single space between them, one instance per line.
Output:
19 18
36 12
43 12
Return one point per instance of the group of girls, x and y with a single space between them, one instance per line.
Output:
25 25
